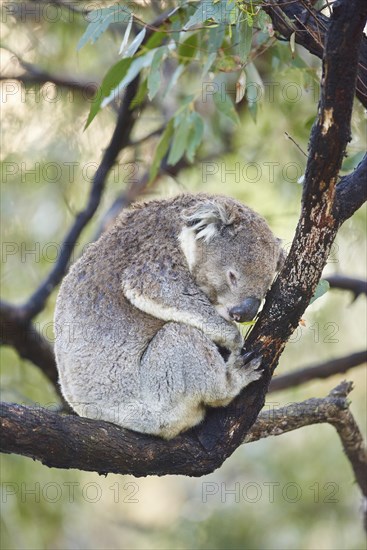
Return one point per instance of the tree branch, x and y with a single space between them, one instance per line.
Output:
67 441
86 87
357 286
321 370
29 344
351 192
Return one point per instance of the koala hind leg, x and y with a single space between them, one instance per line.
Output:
182 372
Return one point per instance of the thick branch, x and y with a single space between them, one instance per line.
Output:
322 370
310 29
67 441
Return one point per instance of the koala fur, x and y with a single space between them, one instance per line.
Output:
143 316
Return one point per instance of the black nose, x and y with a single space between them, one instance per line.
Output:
245 311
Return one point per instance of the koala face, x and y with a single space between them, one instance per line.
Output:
232 255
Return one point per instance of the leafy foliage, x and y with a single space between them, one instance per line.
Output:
211 41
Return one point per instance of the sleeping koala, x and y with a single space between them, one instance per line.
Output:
145 321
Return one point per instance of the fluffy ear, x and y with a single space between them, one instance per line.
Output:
282 256
206 218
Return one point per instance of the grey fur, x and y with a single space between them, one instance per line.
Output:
139 317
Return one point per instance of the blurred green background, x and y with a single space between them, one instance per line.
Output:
293 491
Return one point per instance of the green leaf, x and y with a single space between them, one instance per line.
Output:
172 83
124 42
225 105
180 139
196 135
134 69
101 19
197 16
220 12
141 94
154 78
115 74
187 49
181 112
321 289
209 63
216 36
135 44
263 21
154 40
161 150
252 107
254 89
243 38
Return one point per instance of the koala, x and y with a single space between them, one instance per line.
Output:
145 321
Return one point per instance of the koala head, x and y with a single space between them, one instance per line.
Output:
231 254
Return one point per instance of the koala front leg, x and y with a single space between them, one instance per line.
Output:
187 304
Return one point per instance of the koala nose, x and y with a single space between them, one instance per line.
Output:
245 311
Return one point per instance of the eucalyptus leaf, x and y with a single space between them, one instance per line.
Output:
135 44
126 37
134 69
188 49
161 150
101 19
209 62
196 135
114 75
180 140
321 289
220 12
243 38
154 78
225 105
174 78
216 36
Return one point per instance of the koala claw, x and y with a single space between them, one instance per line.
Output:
253 368
248 356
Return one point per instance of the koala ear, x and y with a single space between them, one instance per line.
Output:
206 218
282 256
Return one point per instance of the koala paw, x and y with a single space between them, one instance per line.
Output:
252 364
226 335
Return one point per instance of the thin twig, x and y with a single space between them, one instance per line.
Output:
321 370
357 286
